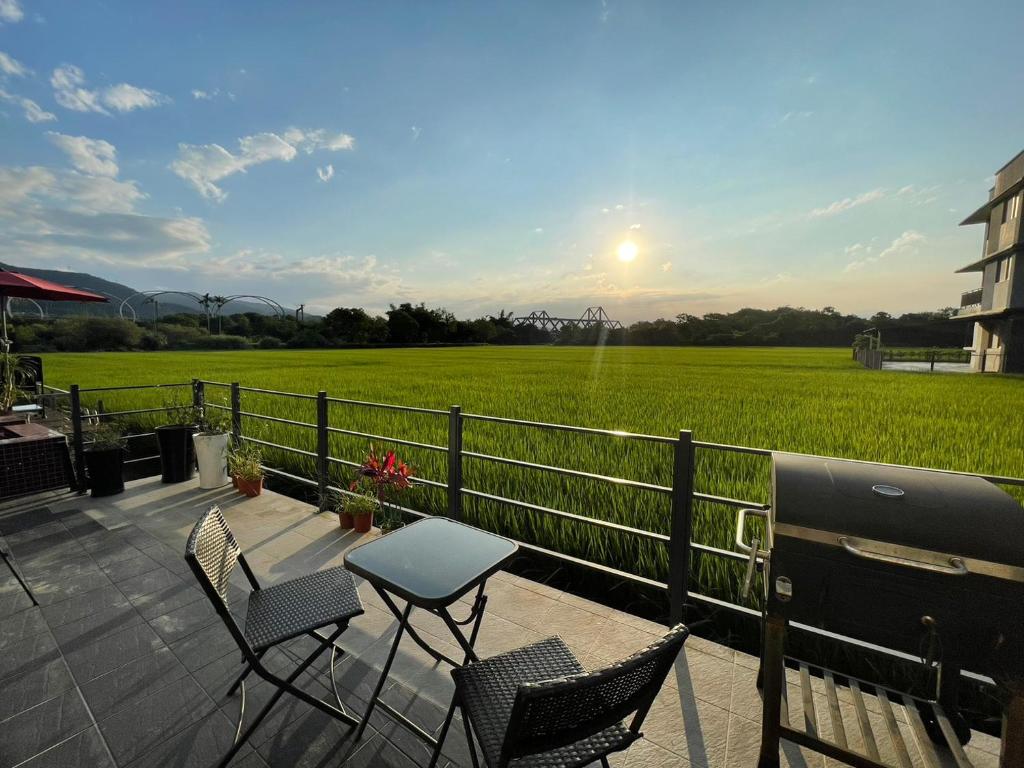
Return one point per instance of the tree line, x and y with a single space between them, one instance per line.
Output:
416 324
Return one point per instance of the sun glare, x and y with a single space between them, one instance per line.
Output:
627 251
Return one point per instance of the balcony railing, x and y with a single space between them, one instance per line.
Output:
970 298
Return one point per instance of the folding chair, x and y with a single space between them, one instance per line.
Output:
537 707
275 615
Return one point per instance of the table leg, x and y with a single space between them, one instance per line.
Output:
438 656
402 625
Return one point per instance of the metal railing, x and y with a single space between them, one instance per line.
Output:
681 493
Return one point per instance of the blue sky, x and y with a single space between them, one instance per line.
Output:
494 155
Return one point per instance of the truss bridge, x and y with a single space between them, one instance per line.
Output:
593 316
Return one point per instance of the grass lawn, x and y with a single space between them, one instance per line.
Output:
807 400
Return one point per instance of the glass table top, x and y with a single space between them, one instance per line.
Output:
432 562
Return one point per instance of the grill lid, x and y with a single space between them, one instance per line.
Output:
938 511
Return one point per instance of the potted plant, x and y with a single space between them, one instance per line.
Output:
382 480
177 451
360 509
12 368
211 447
104 461
247 467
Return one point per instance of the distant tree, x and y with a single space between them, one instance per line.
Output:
402 327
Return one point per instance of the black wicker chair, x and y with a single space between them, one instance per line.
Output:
275 614
536 707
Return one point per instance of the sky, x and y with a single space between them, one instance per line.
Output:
495 156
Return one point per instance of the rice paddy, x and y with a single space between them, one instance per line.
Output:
807 400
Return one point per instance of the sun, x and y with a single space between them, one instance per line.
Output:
627 251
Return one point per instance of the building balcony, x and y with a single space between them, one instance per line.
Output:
970 303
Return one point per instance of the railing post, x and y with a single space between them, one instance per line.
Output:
198 394
76 439
236 415
682 525
455 463
321 447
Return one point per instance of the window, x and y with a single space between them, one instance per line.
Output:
1011 208
1003 267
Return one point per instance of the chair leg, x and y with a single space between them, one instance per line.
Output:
604 762
17 576
245 674
469 740
443 733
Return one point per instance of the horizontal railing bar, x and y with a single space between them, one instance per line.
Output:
724 604
607 569
277 419
135 386
383 439
276 392
389 406
569 472
568 516
107 414
428 483
268 444
344 462
733 448
569 428
54 390
738 503
143 458
726 553
217 407
140 434
214 383
289 475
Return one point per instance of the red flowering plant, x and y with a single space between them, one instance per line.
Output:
384 478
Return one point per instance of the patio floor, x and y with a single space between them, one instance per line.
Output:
125 663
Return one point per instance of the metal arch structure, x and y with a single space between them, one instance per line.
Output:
33 302
591 317
221 301
152 296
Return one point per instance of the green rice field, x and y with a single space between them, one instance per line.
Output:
807 400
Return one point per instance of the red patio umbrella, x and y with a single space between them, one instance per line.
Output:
15 284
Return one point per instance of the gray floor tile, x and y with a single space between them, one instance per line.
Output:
33 730
52 592
315 739
83 750
34 687
125 686
184 621
87 630
21 625
110 652
152 581
84 605
126 569
28 654
200 745
167 600
68 568
133 732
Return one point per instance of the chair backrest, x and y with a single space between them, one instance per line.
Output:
213 553
555 713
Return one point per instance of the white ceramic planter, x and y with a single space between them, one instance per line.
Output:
212 458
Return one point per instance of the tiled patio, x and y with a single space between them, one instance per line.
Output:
125 663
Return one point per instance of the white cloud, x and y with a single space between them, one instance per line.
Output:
634 226
33 112
11 66
69 90
326 173
864 256
666 267
416 131
839 206
49 213
10 11
126 98
539 231
201 95
92 156
204 165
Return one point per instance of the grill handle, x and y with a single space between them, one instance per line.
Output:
956 566
753 549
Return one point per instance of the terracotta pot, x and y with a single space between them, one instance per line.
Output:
345 520
363 523
250 487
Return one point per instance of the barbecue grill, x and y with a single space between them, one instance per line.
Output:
923 562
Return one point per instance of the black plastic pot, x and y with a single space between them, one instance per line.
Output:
103 467
177 452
